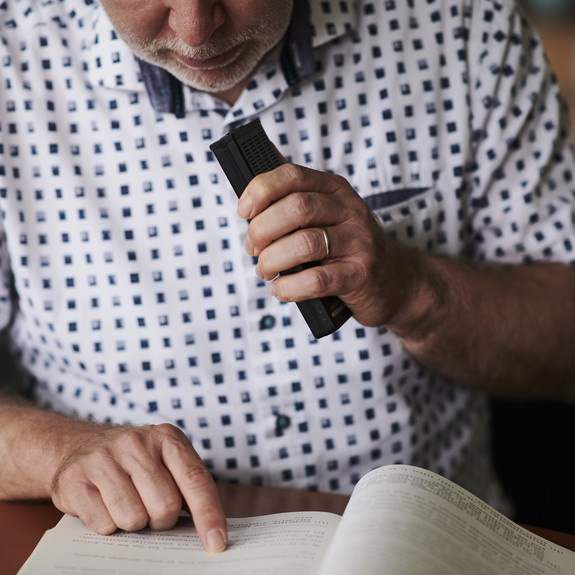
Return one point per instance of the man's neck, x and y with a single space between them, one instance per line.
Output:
232 95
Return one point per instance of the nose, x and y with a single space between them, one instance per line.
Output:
194 21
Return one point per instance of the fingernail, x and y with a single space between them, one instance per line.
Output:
245 207
215 541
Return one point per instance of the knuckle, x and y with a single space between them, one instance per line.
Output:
320 282
66 484
66 481
197 478
292 172
342 182
98 520
363 271
66 473
260 188
130 441
103 461
256 233
309 244
303 205
264 263
106 528
171 436
134 521
167 515
170 506
280 292
169 431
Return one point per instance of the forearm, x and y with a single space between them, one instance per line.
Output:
110 476
32 445
507 331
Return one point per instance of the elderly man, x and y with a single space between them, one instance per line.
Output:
428 168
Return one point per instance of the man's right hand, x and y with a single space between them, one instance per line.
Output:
124 477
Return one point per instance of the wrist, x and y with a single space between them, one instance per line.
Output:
34 443
426 301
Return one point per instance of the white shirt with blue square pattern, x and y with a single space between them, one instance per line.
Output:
127 293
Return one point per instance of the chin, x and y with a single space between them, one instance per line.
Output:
210 81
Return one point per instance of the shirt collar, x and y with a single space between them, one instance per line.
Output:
314 23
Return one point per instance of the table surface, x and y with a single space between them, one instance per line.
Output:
22 524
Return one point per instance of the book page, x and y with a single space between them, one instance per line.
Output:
282 544
403 520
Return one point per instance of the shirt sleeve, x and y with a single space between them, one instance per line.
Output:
519 176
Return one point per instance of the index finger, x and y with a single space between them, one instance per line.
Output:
286 179
200 493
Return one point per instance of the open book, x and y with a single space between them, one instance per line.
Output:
400 520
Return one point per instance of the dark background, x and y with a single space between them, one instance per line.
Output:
534 446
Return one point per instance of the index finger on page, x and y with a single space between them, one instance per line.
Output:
200 493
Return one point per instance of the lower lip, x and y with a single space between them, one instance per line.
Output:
216 62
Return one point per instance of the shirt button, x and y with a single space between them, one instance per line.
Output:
267 322
282 423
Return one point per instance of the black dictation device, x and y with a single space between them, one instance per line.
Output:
243 154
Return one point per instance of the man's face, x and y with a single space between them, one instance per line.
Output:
210 45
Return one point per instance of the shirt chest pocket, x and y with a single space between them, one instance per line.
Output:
415 217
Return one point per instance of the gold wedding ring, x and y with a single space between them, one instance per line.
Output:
327 243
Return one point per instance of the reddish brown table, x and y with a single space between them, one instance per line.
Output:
23 524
